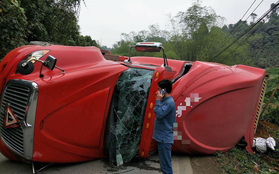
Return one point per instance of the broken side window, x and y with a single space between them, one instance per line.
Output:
127 114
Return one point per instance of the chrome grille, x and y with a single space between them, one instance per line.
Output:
17 96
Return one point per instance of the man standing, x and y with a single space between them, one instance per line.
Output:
163 128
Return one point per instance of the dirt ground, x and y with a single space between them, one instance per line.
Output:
205 165
264 128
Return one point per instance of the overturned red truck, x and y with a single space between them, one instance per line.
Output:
63 104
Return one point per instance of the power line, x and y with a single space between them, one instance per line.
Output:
238 26
245 39
249 9
246 31
223 44
248 16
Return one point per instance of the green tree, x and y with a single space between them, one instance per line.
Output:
192 37
196 34
264 42
153 35
13 24
253 16
54 21
195 16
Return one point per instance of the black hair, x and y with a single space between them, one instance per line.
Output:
165 84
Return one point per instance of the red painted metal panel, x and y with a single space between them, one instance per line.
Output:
217 107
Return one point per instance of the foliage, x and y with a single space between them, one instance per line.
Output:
238 160
53 21
196 16
274 73
13 24
154 34
195 35
264 41
198 34
272 112
275 98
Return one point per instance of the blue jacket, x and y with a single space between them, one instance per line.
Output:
165 117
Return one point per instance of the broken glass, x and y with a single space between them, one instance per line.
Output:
127 114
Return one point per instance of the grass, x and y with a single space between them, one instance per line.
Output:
237 160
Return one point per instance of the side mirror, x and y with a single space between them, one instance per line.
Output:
148 47
26 67
25 70
50 62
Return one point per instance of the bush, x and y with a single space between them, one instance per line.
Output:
272 114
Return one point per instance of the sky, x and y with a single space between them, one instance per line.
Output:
105 20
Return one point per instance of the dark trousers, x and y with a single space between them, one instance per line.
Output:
164 151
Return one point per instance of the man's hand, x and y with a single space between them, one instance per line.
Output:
159 95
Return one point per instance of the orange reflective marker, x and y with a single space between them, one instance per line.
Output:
147 125
151 105
142 153
157 75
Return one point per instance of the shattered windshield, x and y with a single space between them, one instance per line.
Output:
127 113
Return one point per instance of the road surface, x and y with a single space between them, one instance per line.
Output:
181 165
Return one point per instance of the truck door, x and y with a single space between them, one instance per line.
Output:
126 115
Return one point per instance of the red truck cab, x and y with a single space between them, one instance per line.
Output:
84 107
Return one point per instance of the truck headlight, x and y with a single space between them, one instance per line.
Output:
33 57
